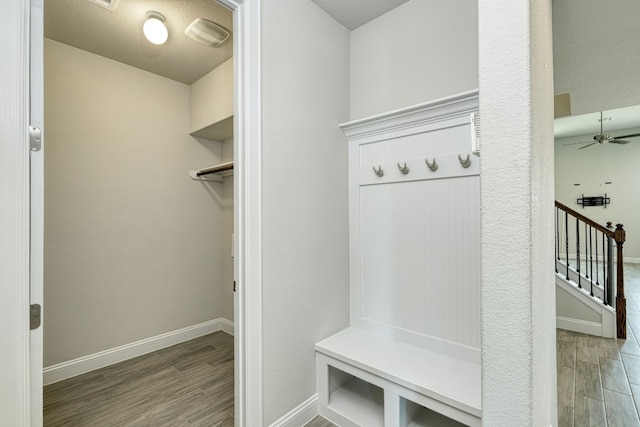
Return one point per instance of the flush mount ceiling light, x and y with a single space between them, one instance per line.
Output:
207 32
154 29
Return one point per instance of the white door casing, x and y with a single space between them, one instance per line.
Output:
14 213
21 252
247 212
36 288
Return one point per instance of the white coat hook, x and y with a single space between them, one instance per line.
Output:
378 171
466 162
404 169
433 165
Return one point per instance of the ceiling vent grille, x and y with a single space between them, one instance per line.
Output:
207 32
107 4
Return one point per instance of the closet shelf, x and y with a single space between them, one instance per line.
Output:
213 173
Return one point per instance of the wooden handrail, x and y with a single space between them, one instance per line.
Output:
608 231
618 235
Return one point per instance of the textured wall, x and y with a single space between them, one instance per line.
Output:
596 53
422 50
132 245
518 289
305 81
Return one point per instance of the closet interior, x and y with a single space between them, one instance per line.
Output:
138 249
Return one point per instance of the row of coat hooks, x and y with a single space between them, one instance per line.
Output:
433 165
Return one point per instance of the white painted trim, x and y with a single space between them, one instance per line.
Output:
227 326
577 325
15 390
111 356
300 415
247 211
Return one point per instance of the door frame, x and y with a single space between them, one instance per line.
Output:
14 212
15 245
247 211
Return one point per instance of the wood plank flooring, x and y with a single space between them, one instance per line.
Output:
189 384
599 378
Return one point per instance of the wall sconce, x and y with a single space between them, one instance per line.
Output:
154 29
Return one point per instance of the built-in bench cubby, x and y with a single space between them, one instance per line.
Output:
411 356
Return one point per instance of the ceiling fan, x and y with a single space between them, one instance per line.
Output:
605 138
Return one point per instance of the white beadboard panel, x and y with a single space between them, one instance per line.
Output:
450 136
419 260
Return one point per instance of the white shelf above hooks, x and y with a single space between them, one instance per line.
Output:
213 173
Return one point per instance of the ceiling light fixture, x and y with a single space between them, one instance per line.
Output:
207 32
154 29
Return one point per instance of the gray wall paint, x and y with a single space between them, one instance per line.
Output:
305 83
596 53
132 245
420 51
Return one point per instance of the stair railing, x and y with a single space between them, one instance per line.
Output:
590 238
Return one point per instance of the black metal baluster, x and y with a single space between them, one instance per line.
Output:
557 245
604 270
591 259
610 293
586 249
566 239
597 269
578 251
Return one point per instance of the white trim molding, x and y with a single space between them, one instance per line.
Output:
111 356
582 326
15 391
300 415
248 210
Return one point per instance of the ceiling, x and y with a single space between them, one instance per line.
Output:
354 13
118 34
613 120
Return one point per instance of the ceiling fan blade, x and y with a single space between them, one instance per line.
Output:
619 141
633 135
574 143
587 145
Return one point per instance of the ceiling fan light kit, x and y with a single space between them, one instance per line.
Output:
605 138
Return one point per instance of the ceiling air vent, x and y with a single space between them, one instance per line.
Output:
207 32
107 4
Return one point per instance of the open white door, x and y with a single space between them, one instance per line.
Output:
36 290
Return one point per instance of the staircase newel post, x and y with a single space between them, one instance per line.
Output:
621 302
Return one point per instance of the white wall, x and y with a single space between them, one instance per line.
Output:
422 50
305 84
592 168
132 245
211 97
596 53
518 287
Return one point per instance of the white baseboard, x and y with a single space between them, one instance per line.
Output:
82 365
226 326
300 415
576 325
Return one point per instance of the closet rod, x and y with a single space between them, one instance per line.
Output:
215 169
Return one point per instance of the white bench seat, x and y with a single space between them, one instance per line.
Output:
444 384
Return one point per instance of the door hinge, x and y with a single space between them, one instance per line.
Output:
35 318
234 286
35 138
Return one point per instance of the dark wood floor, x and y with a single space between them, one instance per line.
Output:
189 384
